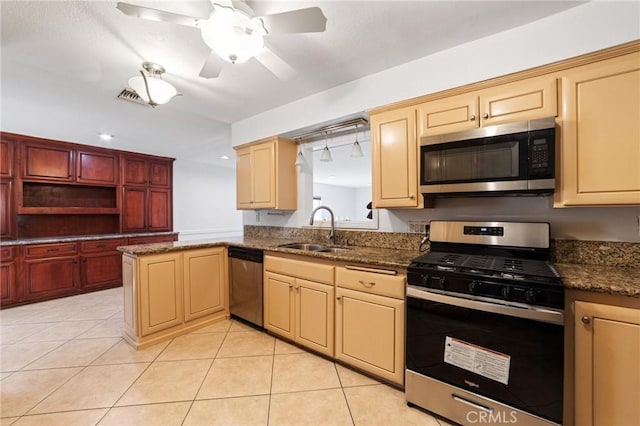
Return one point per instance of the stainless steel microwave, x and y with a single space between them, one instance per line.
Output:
508 159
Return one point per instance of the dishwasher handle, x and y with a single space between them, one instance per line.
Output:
244 253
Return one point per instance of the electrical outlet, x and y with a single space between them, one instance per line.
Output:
638 226
257 216
416 227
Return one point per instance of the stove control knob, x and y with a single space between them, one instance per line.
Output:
425 280
506 292
472 286
530 296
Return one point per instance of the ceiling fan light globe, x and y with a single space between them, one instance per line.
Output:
233 35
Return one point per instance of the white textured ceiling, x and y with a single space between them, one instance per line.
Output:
64 62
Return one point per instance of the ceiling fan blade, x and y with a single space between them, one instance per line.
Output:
309 20
212 66
156 15
276 64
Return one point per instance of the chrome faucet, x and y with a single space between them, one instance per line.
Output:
332 233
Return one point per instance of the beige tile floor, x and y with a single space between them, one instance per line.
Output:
62 362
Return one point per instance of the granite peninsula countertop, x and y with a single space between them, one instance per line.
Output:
394 258
601 279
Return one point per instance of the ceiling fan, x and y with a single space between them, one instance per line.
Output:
235 34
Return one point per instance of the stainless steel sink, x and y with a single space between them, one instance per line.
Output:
304 246
334 249
313 247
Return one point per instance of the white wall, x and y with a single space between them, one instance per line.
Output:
579 30
204 200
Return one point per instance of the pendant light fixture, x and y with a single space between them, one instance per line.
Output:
356 149
152 88
299 157
326 154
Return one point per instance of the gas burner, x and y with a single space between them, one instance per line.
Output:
445 268
512 276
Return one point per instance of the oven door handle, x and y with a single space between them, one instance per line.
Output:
537 314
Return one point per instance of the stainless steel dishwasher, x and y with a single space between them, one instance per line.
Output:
245 284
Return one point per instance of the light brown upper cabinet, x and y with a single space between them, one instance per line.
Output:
600 149
394 152
518 101
266 175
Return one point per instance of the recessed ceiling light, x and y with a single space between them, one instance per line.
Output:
224 157
105 136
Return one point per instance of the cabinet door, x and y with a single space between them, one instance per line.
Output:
314 315
49 277
101 270
243 178
160 173
204 282
370 333
134 213
7 209
279 304
54 163
7 145
600 150
394 150
448 115
96 168
160 292
519 101
134 170
159 209
263 176
8 277
607 377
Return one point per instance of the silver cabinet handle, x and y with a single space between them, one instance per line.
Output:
472 118
586 320
485 115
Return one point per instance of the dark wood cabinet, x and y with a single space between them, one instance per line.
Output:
97 168
101 263
50 270
7 214
146 195
7 146
51 162
152 239
142 170
8 276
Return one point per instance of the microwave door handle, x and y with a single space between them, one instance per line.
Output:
537 314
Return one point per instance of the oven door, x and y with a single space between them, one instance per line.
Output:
512 355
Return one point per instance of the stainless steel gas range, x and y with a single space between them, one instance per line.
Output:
484 341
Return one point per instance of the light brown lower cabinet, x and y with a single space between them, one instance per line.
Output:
607 365
299 309
169 294
369 326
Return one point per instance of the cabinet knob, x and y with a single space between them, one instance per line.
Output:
472 118
586 320
338 297
412 196
485 115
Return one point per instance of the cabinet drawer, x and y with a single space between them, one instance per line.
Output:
50 250
152 239
317 272
380 283
101 245
6 253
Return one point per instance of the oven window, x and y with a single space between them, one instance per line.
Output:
535 349
473 161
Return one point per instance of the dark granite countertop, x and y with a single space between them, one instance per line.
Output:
600 279
368 255
46 240
596 278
